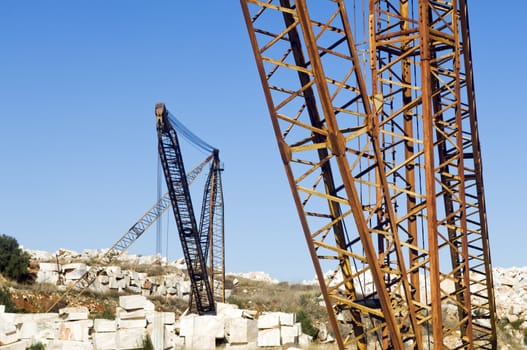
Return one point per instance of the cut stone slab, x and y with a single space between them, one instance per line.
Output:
73 267
248 346
133 323
105 341
114 271
19 345
169 318
47 277
179 342
28 330
269 337
7 320
101 325
269 320
113 283
130 338
132 302
74 313
8 333
200 342
47 325
228 310
130 315
157 336
75 274
290 334
133 289
161 318
76 330
9 338
209 325
241 330
286 319
186 326
149 306
162 336
304 339
68 345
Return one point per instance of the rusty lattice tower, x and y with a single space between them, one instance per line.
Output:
374 112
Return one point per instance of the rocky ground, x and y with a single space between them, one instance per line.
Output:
257 293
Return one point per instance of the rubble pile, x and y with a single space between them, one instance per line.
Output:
510 290
70 266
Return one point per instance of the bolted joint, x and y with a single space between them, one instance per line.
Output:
336 143
285 151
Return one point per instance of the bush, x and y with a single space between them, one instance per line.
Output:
147 343
36 346
107 313
307 324
5 299
14 262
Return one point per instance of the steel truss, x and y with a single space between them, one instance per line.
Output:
126 240
193 242
212 228
376 125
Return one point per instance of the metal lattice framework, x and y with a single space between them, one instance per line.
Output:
376 125
217 256
212 228
190 237
126 240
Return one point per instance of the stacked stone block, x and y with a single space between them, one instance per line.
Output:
136 319
277 329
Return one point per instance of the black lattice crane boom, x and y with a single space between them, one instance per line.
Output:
375 119
125 241
192 241
212 227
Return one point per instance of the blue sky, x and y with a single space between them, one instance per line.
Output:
78 84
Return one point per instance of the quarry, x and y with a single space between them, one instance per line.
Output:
136 319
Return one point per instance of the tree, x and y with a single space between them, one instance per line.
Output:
6 300
14 262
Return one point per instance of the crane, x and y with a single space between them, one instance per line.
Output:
126 240
375 118
211 225
195 240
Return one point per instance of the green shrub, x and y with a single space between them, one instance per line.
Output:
307 324
13 260
236 301
36 346
107 313
516 324
147 343
5 299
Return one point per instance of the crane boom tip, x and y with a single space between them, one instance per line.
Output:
160 109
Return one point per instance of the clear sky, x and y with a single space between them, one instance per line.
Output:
78 84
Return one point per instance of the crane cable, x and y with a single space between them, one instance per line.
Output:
159 225
189 135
